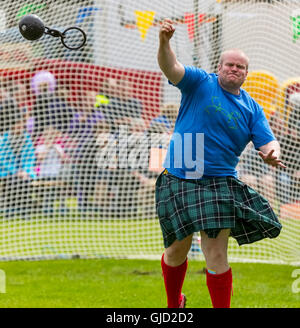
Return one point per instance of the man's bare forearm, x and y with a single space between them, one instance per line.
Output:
166 57
168 63
270 153
273 145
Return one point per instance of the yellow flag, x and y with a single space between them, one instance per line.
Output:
144 20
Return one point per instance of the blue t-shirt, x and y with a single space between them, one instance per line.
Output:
213 127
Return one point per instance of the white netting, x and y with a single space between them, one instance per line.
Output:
89 126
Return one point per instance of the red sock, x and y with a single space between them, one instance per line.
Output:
220 287
173 278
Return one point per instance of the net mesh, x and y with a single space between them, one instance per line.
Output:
83 133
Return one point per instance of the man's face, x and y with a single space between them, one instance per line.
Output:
233 70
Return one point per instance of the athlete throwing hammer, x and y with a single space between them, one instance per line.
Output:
209 198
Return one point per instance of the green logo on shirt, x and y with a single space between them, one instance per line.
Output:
232 117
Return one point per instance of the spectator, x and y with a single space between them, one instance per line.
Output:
165 121
41 110
17 157
43 85
136 144
160 124
20 94
84 127
51 157
42 79
62 112
107 165
253 171
288 180
52 108
87 119
119 157
4 95
122 106
50 154
278 125
158 140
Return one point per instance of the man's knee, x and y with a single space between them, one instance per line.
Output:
176 254
215 249
215 254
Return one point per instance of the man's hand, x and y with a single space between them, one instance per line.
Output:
270 159
166 31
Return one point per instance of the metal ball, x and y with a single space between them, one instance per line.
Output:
31 27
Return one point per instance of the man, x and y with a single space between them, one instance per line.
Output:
215 203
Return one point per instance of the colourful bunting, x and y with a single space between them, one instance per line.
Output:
30 8
85 12
144 19
296 27
189 20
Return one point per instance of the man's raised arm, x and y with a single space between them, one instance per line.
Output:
168 63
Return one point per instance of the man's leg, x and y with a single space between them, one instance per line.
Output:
218 273
174 266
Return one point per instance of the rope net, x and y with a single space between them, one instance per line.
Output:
84 133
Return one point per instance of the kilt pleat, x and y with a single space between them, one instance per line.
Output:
210 205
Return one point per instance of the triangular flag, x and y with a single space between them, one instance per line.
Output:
144 19
189 20
30 8
296 27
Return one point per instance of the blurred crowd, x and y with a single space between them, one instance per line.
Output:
54 148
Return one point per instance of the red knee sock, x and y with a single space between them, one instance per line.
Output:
173 278
220 288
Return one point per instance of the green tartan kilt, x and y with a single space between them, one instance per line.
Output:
210 205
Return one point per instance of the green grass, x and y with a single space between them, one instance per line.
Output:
110 283
103 282
94 238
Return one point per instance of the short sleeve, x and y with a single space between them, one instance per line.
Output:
192 77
